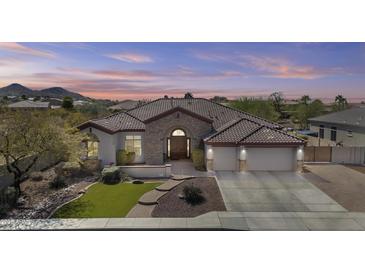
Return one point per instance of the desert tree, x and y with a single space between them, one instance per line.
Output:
28 137
188 95
277 99
256 106
68 102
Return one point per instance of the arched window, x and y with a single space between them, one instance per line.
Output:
178 132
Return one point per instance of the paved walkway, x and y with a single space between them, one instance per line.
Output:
186 167
263 191
147 203
284 221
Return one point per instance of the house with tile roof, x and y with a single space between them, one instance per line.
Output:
170 128
125 105
29 105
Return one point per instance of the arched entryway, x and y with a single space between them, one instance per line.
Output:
178 145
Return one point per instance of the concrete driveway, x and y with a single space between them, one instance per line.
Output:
264 191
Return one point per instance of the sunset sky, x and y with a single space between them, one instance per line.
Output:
151 70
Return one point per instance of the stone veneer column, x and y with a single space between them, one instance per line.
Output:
209 157
242 159
300 159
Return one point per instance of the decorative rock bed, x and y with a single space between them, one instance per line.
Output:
38 201
171 205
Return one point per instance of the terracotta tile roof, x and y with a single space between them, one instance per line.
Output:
265 135
233 133
125 105
118 122
230 125
218 113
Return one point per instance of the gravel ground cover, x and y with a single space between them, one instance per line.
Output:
170 205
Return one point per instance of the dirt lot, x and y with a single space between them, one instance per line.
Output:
170 205
357 168
343 184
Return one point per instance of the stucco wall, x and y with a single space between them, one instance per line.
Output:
357 139
110 143
157 132
107 145
148 171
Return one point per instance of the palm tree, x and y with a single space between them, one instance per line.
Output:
341 102
305 100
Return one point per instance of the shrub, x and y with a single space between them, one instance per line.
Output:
36 176
124 157
9 197
193 195
71 169
131 156
111 175
137 182
198 158
91 165
58 182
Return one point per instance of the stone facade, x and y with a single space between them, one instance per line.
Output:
158 130
243 165
209 164
299 167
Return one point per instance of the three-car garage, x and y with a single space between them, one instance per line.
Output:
256 158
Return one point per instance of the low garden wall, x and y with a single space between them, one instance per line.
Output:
148 171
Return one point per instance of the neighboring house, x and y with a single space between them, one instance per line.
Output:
125 105
345 128
29 105
169 129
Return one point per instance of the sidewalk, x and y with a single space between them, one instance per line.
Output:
280 221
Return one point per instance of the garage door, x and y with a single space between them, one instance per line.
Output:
225 158
270 158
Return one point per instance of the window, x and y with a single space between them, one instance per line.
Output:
133 143
92 149
333 134
178 132
321 131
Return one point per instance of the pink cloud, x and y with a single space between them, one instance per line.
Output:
282 68
269 66
18 48
127 74
130 57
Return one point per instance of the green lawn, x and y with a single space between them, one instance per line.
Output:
105 201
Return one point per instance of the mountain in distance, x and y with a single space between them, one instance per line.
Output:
53 92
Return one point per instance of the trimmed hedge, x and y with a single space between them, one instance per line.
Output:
197 156
113 175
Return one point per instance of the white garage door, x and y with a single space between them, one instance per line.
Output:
225 158
270 158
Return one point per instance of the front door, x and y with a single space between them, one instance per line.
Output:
178 147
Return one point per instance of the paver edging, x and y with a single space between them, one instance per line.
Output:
77 197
